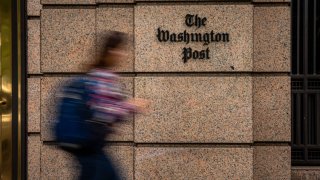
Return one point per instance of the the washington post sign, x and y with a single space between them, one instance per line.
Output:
187 38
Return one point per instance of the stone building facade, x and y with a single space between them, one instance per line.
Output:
222 117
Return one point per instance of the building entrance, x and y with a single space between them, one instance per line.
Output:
12 85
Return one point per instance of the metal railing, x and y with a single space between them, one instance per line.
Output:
305 82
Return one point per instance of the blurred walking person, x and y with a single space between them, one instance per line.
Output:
90 107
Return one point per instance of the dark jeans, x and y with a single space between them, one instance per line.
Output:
96 166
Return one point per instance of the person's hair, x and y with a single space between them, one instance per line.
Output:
112 40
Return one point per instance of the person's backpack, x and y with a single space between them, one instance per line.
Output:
73 129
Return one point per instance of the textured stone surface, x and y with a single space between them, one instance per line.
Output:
68 1
57 164
271 0
272 162
305 173
67 39
33 46
33 7
195 109
33 105
193 163
116 18
272 38
152 55
115 1
50 86
180 0
271 108
34 157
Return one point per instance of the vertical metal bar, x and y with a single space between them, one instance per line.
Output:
305 124
19 58
1 91
298 118
311 118
293 118
298 36
14 91
318 117
23 97
296 100
317 38
314 37
6 88
305 39
309 128
305 60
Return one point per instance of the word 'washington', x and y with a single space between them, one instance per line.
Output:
206 38
186 37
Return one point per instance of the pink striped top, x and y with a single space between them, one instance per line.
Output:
107 100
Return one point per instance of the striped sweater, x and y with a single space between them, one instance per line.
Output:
106 98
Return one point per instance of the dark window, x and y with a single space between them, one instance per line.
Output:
305 82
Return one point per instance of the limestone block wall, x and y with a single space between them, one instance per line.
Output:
227 117
305 173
